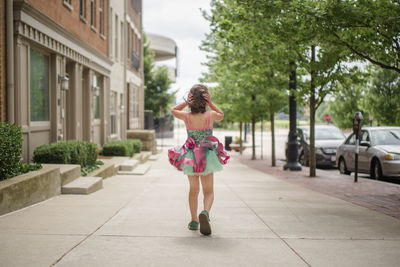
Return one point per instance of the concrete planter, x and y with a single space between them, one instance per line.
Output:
29 188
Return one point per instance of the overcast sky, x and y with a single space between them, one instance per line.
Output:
182 21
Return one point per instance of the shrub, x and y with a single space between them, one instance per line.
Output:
118 148
137 145
10 149
67 152
122 147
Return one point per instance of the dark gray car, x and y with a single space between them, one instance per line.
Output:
327 139
379 152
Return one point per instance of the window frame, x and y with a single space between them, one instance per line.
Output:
42 122
82 10
93 14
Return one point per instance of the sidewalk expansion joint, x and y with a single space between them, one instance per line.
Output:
255 213
106 221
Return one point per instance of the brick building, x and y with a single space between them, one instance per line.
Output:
76 67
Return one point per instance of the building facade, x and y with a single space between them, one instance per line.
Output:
134 65
70 74
125 50
2 60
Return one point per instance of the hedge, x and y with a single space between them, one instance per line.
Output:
126 147
67 152
10 149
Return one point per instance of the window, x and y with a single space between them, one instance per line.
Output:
39 86
135 4
96 98
116 37
133 95
364 136
92 13
67 3
113 112
82 8
135 60
101 16
351 140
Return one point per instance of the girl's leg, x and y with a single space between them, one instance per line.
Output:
207 183
193 196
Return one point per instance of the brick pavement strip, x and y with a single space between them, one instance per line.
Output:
257 220
377 195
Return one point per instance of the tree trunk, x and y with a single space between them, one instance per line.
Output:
253 136
273 159
253 130
312 116
240 138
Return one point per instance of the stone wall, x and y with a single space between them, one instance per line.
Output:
148 138
29 188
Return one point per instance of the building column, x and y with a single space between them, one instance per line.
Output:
74 102
87 105
105 108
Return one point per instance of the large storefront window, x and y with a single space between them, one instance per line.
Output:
39 86
113 112
96 98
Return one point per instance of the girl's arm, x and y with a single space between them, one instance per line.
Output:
177 111
216 113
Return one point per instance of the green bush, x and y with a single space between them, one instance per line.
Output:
118 148
137 145
126 147
67 152
10 149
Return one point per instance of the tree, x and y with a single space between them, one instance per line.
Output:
296 25
383 97
369 29
240 63
156 84
348 99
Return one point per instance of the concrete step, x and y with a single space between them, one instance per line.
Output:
128 165
153 157
141 169
145 156
68 172
83 186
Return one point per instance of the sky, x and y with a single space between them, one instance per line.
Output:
181 20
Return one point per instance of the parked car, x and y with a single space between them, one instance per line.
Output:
379 152
327 139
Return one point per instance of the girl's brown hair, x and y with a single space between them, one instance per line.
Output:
198 103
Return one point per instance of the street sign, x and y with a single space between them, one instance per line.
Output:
327 118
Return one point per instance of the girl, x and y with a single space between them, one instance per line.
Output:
201 155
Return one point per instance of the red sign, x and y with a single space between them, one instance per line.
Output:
327 118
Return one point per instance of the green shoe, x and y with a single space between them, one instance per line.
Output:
193 225
205 227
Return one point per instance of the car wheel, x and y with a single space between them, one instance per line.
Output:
342 167
376 170
302 159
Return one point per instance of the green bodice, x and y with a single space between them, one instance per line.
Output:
199 135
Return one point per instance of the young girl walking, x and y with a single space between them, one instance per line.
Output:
201 155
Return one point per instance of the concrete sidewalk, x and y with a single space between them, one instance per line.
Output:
257 220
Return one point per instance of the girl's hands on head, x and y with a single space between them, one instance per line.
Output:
208 98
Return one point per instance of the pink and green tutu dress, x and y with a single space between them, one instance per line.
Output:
202 152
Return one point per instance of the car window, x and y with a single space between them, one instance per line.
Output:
328 134
385 137
364 136
351 140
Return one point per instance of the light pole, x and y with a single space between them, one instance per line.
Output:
292 151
